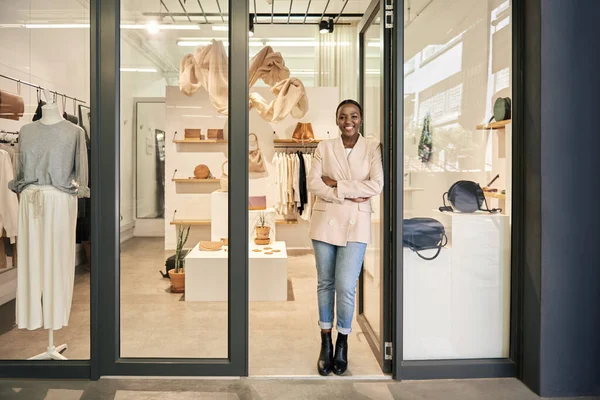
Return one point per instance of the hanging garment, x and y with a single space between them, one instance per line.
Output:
38 110
52 155
290 99
9 205
12 150
269 66
11 106
46 263
302 185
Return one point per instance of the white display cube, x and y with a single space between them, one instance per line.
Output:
219 217
206 274
458 305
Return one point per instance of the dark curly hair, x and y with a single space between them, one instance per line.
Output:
349 101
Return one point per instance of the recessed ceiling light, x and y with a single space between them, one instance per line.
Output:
220 28
152 27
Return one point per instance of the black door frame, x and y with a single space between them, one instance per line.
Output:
106 359
386 317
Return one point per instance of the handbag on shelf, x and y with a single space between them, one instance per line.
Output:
257 202
502 109
424 234
193 133
215 134
303 132
466 197
210 246
202 172
224 178
256 163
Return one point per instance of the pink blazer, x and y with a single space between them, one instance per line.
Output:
335 219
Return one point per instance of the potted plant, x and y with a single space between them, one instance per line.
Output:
263 230
177 275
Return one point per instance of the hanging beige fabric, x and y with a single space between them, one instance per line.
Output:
291 100
256 163
224 178
207 69
11 106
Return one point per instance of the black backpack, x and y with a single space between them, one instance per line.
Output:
466 197
424 234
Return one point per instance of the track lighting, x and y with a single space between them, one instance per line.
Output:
251 26
326 26
323 28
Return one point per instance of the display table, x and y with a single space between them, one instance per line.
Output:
206 274
219 217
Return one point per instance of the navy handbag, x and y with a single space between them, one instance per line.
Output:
424 234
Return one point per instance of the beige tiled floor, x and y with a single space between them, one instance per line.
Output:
284 336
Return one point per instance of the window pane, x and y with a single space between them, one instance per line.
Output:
457 67
45 232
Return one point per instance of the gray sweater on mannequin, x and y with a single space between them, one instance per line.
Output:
53 155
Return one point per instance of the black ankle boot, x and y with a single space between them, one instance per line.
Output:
325 362
340 360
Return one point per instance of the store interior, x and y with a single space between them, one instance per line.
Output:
173 150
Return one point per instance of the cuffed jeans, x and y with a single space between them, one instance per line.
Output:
338 268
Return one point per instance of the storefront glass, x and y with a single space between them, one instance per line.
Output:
174 199
457 135
44 157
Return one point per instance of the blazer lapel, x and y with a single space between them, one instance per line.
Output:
340 155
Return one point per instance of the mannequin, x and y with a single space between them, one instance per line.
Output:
49 181
50 112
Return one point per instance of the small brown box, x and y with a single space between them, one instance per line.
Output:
192 133
215 134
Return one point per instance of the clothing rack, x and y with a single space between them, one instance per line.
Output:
20 82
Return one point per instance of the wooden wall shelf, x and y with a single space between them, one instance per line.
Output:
495 195
206 222
195 180
191 222
494 125
198 141
292 141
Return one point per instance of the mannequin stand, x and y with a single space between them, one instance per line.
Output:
51 353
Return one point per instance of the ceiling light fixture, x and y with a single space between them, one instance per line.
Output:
330 25
152 27
323 28
222 28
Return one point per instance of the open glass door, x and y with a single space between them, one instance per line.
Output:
375 288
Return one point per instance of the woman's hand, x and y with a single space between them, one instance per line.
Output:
360 199
329 182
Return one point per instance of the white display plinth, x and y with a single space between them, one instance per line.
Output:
458 305
206 274
219 217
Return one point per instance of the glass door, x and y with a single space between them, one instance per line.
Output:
375 288
175 301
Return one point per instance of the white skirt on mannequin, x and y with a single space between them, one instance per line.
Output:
46 262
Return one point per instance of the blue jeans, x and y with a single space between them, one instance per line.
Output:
338 268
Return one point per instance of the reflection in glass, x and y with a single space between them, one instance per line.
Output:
456 67
373 267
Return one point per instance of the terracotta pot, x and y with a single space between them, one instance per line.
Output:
262 235
177 281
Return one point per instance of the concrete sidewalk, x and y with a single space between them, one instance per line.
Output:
264 389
